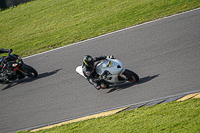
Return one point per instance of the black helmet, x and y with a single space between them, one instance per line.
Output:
88 61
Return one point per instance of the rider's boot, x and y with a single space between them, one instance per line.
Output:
104 85
6 81
3 78
97 86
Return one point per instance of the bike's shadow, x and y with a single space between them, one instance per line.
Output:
129 84
26 80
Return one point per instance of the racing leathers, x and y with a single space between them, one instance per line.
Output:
90 73
4 50
3 57
4 61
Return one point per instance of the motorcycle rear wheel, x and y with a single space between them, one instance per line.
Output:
131 76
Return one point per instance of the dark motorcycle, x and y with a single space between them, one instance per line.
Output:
13 68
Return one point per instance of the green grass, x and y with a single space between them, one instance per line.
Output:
176 117
42 25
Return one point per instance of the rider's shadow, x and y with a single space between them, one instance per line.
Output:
26 80
129 84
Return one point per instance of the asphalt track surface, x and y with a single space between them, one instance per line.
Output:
164 53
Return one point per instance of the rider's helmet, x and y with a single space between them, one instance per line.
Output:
88 61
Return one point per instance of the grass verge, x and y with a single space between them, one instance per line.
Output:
43 25
182 117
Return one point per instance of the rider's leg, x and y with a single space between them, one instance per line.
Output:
95 83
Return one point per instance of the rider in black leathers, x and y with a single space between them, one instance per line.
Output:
4 60
88 67
3 57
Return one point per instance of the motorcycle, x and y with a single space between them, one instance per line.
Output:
15 69
112 72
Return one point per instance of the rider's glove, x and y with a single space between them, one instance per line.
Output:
111 57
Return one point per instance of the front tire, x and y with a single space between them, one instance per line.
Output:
131 76
31 71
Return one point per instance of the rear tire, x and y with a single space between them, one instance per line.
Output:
32 73
131 76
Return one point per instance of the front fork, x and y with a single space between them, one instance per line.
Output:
122 75
24 73
18 69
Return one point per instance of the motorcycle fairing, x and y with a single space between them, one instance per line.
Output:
113 66
115 69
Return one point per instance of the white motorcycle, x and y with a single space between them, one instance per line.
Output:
112 72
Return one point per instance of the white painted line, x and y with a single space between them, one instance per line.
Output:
116 108
113 32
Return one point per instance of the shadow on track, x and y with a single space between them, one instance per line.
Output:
129 84
26 80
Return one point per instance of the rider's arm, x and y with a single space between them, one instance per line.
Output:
4 50
103 57
99 58
86 71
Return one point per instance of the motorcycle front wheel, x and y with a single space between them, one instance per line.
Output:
131 76
32 73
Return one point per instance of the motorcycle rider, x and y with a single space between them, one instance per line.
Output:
89 66
4 60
